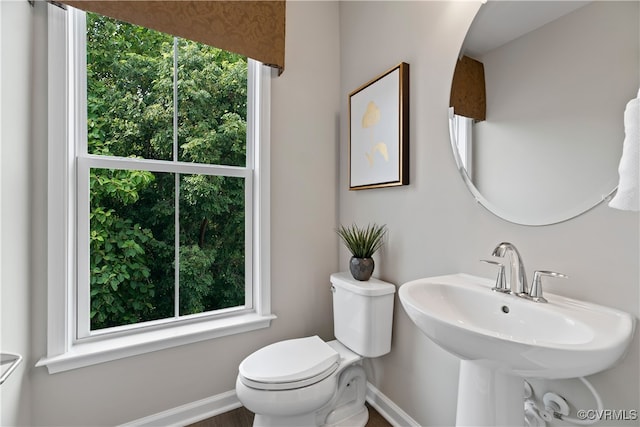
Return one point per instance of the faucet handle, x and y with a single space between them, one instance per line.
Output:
536 288
501 283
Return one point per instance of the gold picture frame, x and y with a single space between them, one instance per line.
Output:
379 131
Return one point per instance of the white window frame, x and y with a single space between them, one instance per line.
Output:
461 133
71 348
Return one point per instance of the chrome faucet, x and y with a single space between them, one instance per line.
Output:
517 278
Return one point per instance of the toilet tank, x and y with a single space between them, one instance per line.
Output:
362 314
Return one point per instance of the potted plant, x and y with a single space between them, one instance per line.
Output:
362 242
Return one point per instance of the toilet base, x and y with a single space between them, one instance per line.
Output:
291 421
346 408
356 420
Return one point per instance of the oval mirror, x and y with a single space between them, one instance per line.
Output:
544 144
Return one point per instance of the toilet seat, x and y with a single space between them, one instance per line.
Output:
289 364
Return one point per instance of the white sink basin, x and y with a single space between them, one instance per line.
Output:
563 338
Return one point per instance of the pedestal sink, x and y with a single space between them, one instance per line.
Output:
501 338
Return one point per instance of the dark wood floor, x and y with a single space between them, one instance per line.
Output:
242 417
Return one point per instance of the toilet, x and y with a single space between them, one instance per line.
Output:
309 382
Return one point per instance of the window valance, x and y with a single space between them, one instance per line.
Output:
253 28
468 92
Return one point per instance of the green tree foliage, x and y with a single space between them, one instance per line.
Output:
130 106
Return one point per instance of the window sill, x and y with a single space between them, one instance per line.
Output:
108 349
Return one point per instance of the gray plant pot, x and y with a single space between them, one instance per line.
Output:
361 268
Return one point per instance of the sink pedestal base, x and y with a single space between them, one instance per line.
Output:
488 396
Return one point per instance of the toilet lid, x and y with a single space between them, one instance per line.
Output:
302 360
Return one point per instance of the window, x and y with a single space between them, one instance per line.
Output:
461 132
158 191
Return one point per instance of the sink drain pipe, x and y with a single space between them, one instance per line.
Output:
585 422
556 407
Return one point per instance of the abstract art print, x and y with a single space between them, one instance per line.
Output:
379 131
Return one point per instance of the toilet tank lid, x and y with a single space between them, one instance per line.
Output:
371 287
289 360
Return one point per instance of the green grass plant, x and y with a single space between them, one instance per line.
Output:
362 242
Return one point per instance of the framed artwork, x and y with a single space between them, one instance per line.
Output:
379 131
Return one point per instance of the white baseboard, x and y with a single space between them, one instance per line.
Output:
191 412
215 405
389 410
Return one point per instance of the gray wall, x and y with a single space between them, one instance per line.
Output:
437 228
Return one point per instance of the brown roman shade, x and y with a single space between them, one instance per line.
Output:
253 28
468 93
